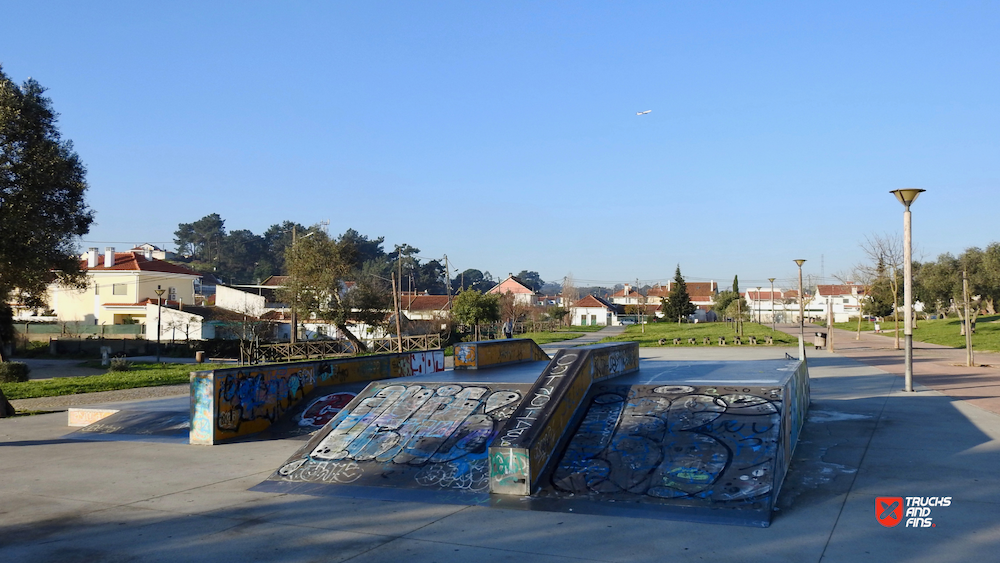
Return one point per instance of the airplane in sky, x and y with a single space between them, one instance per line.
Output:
643 112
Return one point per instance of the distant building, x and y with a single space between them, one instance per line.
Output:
523 295
119 287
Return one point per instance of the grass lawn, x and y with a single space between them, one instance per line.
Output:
944 332
669 331
141 375
547 337
583 328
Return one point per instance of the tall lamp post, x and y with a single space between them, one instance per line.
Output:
907 197
772 302
159 315
802 303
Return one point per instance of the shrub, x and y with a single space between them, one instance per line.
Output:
120 364
14 372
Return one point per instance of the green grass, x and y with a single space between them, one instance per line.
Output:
142 375
942 331
669 331
583 328
547 337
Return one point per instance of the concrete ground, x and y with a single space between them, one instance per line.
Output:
67 500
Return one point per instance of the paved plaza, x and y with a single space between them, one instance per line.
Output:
70 500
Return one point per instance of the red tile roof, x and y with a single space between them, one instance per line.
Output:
590 301
136 262
829 290
276 281
424 303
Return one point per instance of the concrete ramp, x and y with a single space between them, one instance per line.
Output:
138 425
714 452
403 439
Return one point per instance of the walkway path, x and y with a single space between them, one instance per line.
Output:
587 338
941 368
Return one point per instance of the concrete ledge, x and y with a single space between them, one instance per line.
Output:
80 417
541 425
493 353
233 402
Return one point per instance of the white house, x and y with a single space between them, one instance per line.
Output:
594 311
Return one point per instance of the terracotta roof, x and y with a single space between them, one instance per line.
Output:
276 281
135 262
698 291
424 303
510 285
657 291
591 301
631 293
838 289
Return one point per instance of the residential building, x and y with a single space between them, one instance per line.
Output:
119 287
423 307
628 295
523 295
844 300
594 311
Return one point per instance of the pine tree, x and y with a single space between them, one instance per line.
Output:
678 303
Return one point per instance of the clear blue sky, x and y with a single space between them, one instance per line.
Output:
505 134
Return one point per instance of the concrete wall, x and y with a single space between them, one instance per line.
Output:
540 427
240 301
234 402
492 353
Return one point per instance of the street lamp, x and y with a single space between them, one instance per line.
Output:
802 303
772 302
907 197
159 315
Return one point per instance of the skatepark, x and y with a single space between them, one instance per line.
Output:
663 456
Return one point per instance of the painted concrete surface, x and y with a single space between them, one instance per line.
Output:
139 501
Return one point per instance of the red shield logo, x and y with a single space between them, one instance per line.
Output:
889 510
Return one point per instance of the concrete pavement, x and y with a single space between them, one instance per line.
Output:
139 501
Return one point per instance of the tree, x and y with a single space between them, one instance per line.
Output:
570 294
42 207
473 308
722 302
318 268
678 303
886 252
530 280
202 240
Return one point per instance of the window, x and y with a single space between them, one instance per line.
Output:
847 300
97 288
593 320
172 294
119 289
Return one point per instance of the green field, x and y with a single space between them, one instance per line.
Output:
654 332
141 375
547 337
942 331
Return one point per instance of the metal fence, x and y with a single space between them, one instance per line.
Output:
79 329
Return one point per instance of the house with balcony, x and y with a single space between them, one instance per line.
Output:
119 288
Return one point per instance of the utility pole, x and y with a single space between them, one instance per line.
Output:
969 360
447 279
399 329
295 299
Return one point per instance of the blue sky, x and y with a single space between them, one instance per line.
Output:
505 134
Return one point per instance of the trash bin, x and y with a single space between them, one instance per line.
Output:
820 340
199 357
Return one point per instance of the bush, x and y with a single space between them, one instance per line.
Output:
14 372
120 364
